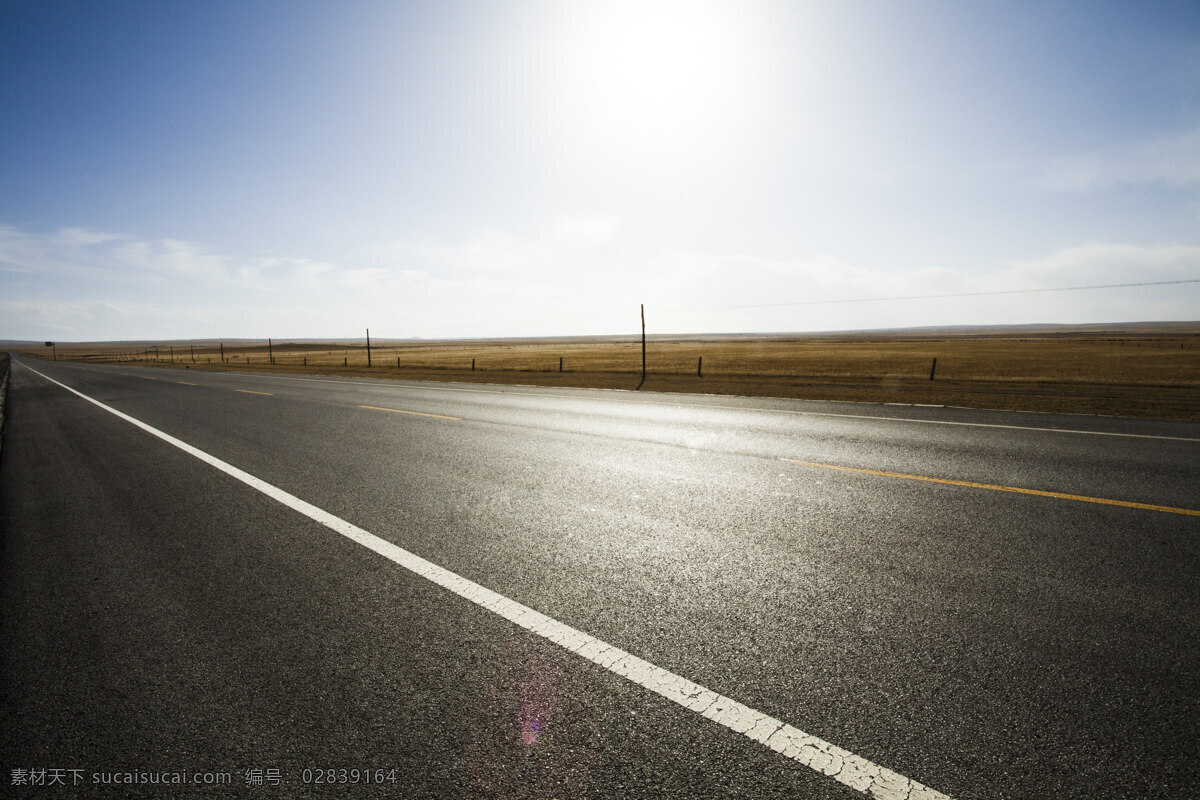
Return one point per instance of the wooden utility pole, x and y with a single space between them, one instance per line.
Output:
368 348
270 351
643 346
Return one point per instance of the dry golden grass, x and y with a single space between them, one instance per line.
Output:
1138 372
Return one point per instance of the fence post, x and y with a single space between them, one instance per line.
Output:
643 346
700 367
560 363
368 348
472 365
933 369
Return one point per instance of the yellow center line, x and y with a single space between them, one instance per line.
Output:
247 391
995 488
414 413
185 383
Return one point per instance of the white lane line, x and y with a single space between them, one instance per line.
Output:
843 766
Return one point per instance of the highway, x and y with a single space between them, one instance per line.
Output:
278 578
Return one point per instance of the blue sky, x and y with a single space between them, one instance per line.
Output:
310 169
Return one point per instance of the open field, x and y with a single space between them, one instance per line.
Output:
1150 370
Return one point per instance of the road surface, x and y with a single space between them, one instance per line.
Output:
282 585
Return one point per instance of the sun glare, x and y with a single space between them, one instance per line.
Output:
654 83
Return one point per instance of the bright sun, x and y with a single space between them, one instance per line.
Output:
657 80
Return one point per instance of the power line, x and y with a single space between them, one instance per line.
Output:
526 321
819 303
934 296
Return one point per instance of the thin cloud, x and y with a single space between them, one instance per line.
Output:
1171 160
568 279
584 232
1107 263
69 254
86 236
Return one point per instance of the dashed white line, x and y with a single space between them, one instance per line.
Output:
843 766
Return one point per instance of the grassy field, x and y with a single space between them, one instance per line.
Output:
1139 371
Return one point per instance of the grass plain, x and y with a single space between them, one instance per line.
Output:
1150 370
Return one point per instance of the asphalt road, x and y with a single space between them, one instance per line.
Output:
162 616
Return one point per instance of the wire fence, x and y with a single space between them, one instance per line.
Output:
1145 355
1145 359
